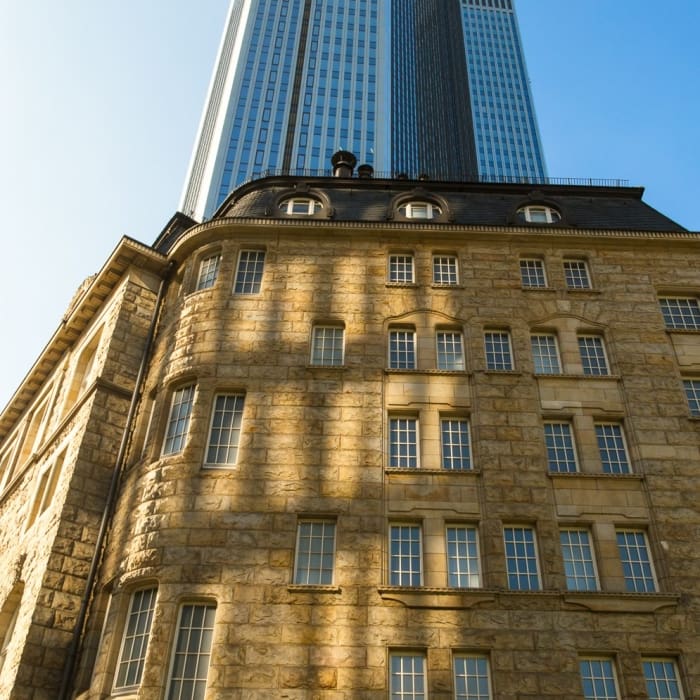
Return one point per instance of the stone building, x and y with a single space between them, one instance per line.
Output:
358 439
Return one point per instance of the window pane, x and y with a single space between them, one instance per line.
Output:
471 678
598 679
190 663
661 679
135 640
401 269
576 274
454 433
403 442
611 446
450 355
407 677
225 433
532 273
592 355
327 346
179 420
444 269
692 393
636 563
402 349
545 355
561 454
315 552
208 269
681 313
579 566
250 271
405 555
462 558
521 559
498 354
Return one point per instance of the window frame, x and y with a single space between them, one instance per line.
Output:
398 270
689 321
610 677
397 574
290 205
47 481
235 428
550 214
455 562
550 358
492 366
608 465
207 272
589 368
571 278
533 274
178 439
691 389
481 673
445 264
665 661
248 280
443 358
530 558
410 210
396 453
554 450
650 582
402 358
447 448
588 566
319 361
298 572
410 693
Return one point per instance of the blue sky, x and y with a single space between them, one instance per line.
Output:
102 99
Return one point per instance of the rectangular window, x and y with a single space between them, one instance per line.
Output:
48 480
445 269
450 355
561 452
498 353
576 274
315 552
403 442
545 354
579 565
135 639
471 677
521 559
612 449
179 420
598 679
455 443
592 353
225 432
405 555
402 349
636 562
327 345
250 272
208 270
191 653
692 393
407 676
681 313
532 273
661 678
401 269
462 557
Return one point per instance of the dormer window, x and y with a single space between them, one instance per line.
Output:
305 206
539 214
420 210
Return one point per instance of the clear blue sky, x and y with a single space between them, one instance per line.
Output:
102 98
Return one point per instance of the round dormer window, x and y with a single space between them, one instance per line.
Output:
420 210
304 206
539 214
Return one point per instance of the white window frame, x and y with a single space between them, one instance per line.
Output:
610 676
397 574
178 439
653 679
589 369
402 343
554 450
444 357
517 558
576 274
301 206
447 449
401 268
492 366
650 582
418 209
320 345
207 271
445 270
233 431
397 459
691 388
399 671
549 363
303 571
533 274
248 280
590 577
466 566
540 214
47 480
480 672
680 321
602 451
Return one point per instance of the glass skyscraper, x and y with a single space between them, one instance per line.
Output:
408 86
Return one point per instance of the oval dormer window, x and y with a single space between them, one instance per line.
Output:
539 214
420 210
305 206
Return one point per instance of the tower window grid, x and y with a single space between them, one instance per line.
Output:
405 555
445 270
403 442
579 563
598 679
593 358
250 271
612 448
225 431
521 558
692 394
402 349
576 274
455 443
472 678
327 346
680 313
401 269
637 568
499 356
450 352
661 678
208 270
545 354
561 449
407 676
532 273
178 420
463 570
315 552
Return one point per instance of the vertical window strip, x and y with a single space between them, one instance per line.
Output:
471 677
450 354
405 555
661 678
456 447
402 349
401 269
545 354
208 270
463 569
576 274
561 452
403 442
445 269
498 352
250 272
407 676
598 679
592 354
179 420
225 432
191 653
521 559
579 565
612 449
315 552
636 563
327 346
135 640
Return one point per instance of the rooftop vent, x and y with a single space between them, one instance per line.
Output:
343 163
365 171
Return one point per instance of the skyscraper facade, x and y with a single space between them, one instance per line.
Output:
299 80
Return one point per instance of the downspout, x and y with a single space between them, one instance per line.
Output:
78 630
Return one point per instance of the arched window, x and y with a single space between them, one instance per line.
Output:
419 210
305 206
539 214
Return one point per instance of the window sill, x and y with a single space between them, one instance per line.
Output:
603 601
440 285
407 285
683 331
582 290
446 598
335 368
312 588
395 370
596 475
513 372
571 375
422 470
538 289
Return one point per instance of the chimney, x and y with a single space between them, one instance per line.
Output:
343 163
365 171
